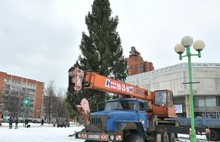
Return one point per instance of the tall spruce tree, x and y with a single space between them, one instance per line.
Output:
101 49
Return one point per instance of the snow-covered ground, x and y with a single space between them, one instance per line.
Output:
48 133
38 133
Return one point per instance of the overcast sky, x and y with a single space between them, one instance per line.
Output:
39 39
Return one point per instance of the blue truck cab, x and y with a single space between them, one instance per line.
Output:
121 118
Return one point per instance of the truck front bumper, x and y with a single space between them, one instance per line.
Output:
99 136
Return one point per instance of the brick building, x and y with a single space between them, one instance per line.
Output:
136 64
13 90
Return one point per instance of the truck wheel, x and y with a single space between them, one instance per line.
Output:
214 136
151 139
172 137
165 137
135 138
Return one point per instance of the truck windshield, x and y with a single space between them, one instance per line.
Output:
160 98
121 105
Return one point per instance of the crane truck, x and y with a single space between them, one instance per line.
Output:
139 115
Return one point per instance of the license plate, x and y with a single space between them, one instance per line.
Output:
94 136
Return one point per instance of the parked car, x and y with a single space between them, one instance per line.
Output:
63 123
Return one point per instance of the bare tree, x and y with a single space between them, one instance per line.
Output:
48 99
54 102
62 108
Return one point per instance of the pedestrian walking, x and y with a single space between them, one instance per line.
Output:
54 122
42 122
1 117
16 123
26 122
10 120
0 122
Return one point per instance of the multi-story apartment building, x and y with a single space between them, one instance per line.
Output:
14 90
136 64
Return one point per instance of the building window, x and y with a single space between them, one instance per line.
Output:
6 91
7 86
136 69
199 101
142 67
179 100
218 100
210 101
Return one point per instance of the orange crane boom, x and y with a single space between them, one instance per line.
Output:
102 83
160 102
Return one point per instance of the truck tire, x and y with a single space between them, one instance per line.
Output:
151 139
214 136
165 137
172 137
135 138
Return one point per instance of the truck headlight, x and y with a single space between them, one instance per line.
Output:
111 137
78 135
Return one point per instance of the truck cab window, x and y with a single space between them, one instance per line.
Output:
114 105
128 105
142 106
170 99
160 98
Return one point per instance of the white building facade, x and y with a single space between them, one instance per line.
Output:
206 86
